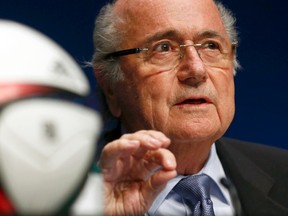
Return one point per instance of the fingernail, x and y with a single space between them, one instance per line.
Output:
165 139
155 141
133 142
170 163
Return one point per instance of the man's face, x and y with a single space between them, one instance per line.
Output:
190 102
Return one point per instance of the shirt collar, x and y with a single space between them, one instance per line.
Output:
213 168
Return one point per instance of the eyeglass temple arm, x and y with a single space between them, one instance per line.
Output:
125 52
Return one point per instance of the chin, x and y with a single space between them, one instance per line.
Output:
195 135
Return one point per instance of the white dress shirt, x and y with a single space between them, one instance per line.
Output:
170 203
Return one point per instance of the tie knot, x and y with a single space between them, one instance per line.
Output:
197 186
195 190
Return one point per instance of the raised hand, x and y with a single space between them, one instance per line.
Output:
135 169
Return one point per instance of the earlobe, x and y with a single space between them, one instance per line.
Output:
112 102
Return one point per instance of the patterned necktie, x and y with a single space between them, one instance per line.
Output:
195 191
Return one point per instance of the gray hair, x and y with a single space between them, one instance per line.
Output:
229 22
107 38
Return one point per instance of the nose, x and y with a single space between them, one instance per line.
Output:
192 71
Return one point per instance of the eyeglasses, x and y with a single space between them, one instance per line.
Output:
167 54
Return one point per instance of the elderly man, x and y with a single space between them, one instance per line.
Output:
166 69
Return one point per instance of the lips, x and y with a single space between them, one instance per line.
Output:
194 101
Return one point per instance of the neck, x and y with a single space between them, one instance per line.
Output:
190 157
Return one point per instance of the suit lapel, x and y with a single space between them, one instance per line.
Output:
252 184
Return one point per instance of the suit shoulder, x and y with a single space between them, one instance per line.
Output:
257 170
271 158
252 147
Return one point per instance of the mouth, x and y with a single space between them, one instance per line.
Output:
194 101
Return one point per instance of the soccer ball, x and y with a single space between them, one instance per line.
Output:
47 137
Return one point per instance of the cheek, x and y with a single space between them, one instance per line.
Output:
158 89
143 103
155 91
229 104
224 84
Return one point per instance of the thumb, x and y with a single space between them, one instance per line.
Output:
158 178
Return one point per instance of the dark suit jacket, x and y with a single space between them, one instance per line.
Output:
259 174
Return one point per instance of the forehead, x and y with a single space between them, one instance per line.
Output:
144 18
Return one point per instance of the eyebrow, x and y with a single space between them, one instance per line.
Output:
211 34
170 33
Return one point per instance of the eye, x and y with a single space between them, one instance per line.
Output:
211 45
164 46
161 52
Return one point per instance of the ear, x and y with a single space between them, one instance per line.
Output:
109 92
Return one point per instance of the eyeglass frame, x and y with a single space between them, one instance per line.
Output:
138 50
